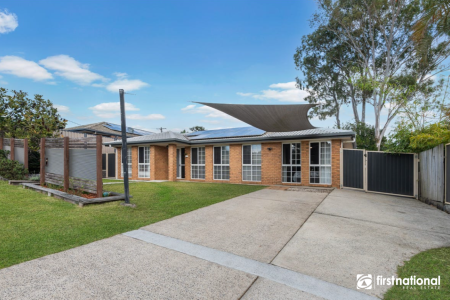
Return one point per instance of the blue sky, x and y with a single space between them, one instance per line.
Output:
167 53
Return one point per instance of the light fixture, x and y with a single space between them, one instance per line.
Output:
270 149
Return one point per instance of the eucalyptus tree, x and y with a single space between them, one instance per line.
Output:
378 36
328 68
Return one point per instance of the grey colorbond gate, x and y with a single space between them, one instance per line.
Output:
352 171
380 172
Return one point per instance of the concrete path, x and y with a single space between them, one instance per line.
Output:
270 244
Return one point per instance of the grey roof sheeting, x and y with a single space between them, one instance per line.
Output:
168 136
271 118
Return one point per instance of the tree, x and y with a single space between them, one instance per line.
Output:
424 122
23 117
197 128
365 135
391 71
328 68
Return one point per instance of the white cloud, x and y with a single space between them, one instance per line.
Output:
188 107
71 69
148 117
8 21
126 84
111 109
211 121
62 108
285 92
20 67
209 112
245 94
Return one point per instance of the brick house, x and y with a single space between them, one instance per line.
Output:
247 155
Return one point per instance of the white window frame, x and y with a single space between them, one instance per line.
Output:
320 162
221 164
130 163
144 163
251 165
290 159
198 164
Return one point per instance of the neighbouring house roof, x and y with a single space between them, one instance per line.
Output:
241 134
107 129
271 118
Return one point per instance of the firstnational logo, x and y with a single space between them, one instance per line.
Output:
367 282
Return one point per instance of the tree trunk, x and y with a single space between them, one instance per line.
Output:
363 111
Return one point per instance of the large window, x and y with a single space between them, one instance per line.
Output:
198 163
251 163
144 162
291 168
130 164
320 162
222 163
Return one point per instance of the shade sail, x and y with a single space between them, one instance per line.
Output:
272 118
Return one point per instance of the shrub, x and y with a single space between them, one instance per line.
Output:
11 169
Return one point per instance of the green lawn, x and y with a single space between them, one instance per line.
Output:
428 264
33 225
111 180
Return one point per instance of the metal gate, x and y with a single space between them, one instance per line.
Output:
352 169
380 172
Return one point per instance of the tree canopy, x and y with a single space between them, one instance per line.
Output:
363 52
23 117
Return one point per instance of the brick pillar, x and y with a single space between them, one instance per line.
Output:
336 163
152 162
209 163
134 162
172 163
119 163
305 162
271 163
236 163
25 153
1 141
187 163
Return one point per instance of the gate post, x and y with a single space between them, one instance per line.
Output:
365 157
66 164
416 176
99 166
25 153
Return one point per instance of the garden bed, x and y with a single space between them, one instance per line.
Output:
74 198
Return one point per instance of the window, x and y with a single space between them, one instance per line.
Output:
144 162
320 162
198 163
251 163
222 163
130 165
291 168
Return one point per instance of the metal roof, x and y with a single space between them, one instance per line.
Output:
222 133
105 128
234 135
271 118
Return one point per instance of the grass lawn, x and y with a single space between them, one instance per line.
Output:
428 264
33 225
112 180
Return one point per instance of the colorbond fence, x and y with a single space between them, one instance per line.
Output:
72 163
18 149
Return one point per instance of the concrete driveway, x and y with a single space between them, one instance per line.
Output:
270 244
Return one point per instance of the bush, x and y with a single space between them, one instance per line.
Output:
11 169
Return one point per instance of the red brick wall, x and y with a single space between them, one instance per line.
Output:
236 163
159 163
172 163
209 163
271 163
305 162
187 163
163 164
336 163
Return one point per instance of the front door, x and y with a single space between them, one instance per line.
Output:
180 163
